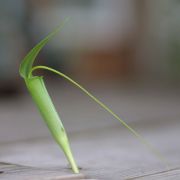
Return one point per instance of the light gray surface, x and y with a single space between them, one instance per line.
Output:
17 172
102 147
104 154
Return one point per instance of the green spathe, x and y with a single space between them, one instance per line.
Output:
42 99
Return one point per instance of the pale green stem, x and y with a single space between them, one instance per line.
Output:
144 141
46 107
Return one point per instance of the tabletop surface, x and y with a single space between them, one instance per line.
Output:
103 148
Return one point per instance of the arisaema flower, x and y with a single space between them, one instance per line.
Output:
39 93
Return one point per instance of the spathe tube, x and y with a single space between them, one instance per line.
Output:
41 97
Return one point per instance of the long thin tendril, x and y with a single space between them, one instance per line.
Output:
144 141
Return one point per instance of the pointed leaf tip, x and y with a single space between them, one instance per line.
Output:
27 63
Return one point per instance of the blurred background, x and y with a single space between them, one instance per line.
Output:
125 51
